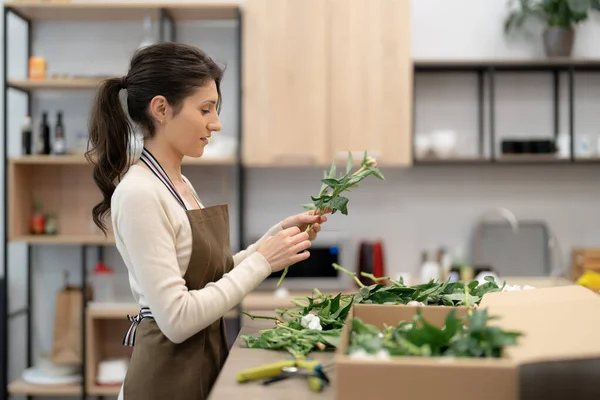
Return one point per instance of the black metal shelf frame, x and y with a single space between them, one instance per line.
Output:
489 71
167 29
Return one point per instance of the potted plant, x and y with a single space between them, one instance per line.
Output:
559 17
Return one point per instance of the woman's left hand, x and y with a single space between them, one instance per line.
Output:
304 219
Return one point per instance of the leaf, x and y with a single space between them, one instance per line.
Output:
477 320
309 206
342 313
384 297
452 325
376 172
323 185
350 163
321 198
331 182
340 204
579 6
364 292
331 337
335 303
332 170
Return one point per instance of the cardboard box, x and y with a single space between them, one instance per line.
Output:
557 358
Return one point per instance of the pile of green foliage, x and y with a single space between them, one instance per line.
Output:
332 310
470 336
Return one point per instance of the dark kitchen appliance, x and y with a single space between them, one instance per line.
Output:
317 271
528 146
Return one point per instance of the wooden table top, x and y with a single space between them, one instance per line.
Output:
241 358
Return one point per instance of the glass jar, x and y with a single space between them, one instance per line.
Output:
103 283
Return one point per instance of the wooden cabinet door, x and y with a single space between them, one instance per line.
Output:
370 88
285 82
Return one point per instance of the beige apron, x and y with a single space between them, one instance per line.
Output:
160 369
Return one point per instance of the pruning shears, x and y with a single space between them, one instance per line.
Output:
312 370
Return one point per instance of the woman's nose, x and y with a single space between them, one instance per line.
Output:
215 126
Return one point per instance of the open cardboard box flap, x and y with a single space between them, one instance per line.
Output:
559 323
558 356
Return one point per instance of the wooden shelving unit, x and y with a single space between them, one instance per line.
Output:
79 159
116 11
63 184
20 387
55 84
485 71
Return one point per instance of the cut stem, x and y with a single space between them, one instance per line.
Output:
253 317
383 278
352 274
308 229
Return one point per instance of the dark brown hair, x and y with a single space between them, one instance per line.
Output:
173 70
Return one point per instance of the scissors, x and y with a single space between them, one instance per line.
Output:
312 370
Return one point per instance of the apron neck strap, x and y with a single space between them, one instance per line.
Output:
160 173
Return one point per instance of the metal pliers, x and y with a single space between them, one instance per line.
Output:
312 370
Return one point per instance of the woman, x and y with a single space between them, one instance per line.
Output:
177 252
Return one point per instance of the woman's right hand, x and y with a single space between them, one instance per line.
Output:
283 249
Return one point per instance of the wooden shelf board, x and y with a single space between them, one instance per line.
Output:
203 11
116 11
210 160
65 239
56 84
452 160
111 310
34 159
516 64
24 388
79 159
532 158
104 390
587 160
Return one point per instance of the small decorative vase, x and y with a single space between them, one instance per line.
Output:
558 41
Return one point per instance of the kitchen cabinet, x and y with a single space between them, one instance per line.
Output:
370 85
285 82
318 81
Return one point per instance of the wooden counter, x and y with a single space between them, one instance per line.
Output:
241 358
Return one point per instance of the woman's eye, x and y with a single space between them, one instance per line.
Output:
205 112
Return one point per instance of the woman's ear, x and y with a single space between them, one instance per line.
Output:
159 109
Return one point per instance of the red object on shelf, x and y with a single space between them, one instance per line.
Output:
371 261
378 263
102 268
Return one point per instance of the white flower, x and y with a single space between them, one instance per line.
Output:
382 354
360 354
312 322
415 303
516 288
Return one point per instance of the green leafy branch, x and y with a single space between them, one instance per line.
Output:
470 336
333 309
332 186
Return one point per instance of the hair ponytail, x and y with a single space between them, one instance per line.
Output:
108 147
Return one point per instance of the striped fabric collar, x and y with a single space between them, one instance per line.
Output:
160 173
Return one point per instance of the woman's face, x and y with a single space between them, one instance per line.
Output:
189 130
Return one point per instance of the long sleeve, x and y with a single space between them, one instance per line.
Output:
243 254
148 238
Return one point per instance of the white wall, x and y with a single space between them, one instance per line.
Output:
416 209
